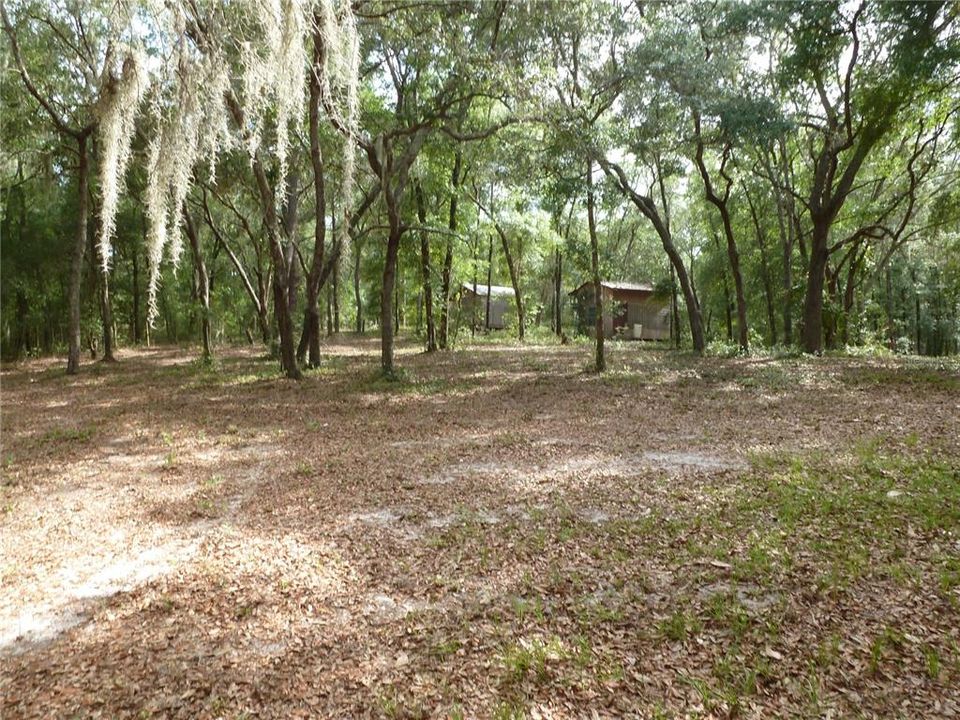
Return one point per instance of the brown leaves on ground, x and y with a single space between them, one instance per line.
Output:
500 534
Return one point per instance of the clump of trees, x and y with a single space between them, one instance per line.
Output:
784 172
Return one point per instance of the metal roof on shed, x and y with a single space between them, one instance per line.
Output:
495 290
617 285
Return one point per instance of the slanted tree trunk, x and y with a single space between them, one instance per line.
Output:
600 362
649 210
425 269
514 280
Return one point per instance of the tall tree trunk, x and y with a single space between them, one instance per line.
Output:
137 324
765 270
203 283
558 296
727 302
281 275
328 306
425 269
514 280
675 302
386 300
830 325
445 277
106 317
357 295
76 263
336 294
486 321
600 362
816 276
786 224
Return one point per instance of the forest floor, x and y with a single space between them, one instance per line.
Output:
501 534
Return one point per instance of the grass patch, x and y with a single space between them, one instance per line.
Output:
679 626
527 659
67 436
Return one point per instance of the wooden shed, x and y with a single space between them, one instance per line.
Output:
632 311
474 298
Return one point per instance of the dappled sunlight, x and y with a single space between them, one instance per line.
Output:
503 516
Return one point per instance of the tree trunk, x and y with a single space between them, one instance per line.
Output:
813 301
646 206
76 264
486 322
357 296
558 296
203 282
600 362
425 269
445 278
106 317
386 301
830 325
280 276
765 271
787 229
514 281
675 309
137 324
336 294
727 304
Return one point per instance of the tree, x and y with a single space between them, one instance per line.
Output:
75 112
862 90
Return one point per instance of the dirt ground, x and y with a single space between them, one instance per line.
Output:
501 534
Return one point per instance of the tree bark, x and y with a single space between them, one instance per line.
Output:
76 264
445 278
600 362
357 295
765 270
312 310
106 317
514 280
137 324
486 321
386 301
425 269
336 294
558 296
203 283
813 300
